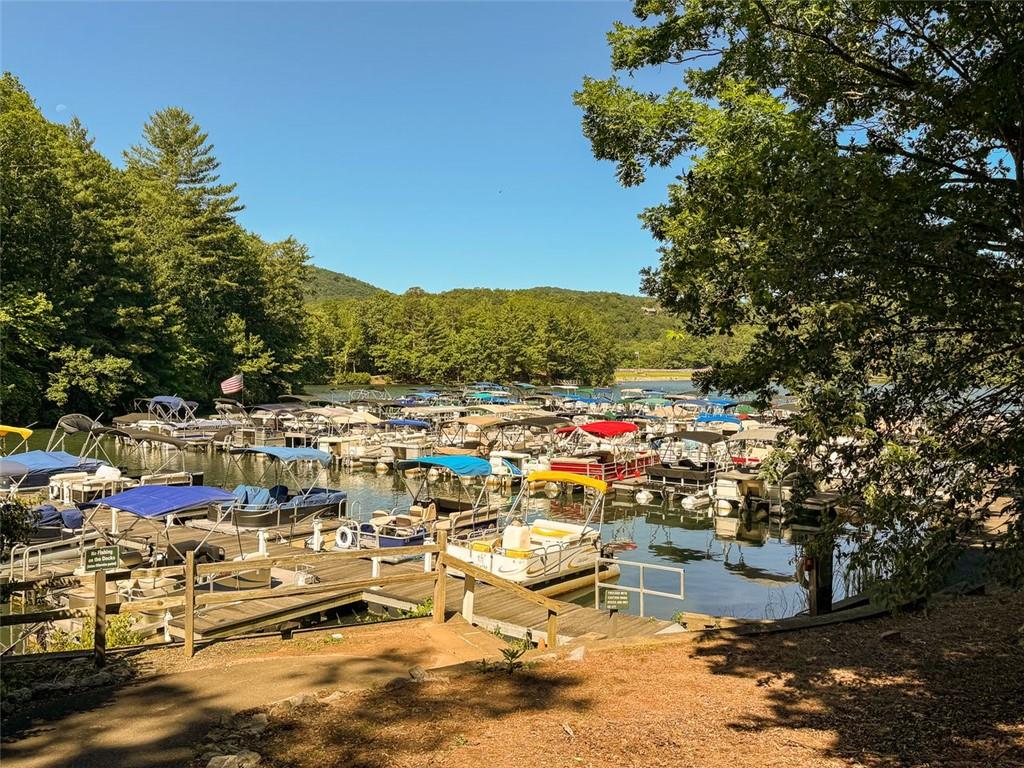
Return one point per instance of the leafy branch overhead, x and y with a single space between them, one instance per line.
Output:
851 184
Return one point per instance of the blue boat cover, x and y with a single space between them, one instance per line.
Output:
463 466
162 500
414 423
708 418
42 461
47 514
516 471
251 495
290 454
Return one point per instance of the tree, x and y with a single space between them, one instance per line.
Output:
851 184
15 524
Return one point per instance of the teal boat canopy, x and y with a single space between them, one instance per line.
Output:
463 466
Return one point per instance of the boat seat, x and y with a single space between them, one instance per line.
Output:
550 533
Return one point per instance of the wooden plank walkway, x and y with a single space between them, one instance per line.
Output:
494 609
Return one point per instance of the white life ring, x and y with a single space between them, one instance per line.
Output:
344 538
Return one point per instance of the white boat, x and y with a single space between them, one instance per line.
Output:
540 550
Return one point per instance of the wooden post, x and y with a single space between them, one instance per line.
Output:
552 629
441 582
819 593
99 629
468 596
190 603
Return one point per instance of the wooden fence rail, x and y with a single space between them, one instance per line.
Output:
193 597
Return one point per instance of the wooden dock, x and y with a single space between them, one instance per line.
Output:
495 609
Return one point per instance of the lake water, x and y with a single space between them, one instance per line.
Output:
750 577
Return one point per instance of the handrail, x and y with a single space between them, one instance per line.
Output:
238 566
501 583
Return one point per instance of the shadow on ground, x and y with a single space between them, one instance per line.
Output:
940 689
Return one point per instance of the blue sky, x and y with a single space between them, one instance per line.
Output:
430 144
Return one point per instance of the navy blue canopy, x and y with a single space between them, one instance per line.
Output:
463 466
289 454
414 423
162 500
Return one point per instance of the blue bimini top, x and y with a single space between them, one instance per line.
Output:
162 500
463 466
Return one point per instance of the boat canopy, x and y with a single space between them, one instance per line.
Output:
463 466
329 411
538 421
22 432
710 418
288 455
483 422
548 476
411 423
694 436
162 500
41 461
142 436
602 428
768 434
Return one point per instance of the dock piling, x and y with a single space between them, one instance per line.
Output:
190 603
99 632
441 581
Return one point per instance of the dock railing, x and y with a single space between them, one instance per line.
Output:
194 597
642 589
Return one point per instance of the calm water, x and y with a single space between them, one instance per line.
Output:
748 577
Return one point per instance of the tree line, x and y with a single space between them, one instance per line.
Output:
120 282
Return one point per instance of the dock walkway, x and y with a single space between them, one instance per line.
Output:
494 609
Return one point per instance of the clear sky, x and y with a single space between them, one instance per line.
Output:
431 144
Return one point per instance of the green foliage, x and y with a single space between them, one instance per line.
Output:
327 285
120 632
126 282
15 524
511 655
852 187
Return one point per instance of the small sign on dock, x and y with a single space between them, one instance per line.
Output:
102 559
616 599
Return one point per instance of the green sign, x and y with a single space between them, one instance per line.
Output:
102 559
616 599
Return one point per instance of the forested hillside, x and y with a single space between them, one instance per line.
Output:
325 284
133 281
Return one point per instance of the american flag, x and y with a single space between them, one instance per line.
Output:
235 384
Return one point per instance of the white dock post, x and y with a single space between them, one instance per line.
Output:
318 539
374 567
261 541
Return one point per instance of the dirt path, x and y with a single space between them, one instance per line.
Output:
157 720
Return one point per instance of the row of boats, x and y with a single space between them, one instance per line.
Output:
484 469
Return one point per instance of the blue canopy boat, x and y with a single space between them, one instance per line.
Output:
258 506
412 526
153 507
31 470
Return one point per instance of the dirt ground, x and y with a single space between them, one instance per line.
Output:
942 689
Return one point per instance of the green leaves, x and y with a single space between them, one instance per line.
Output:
850 185
121 283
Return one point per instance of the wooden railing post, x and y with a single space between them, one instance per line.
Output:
468 596
99 617
552 629
441 582
190 603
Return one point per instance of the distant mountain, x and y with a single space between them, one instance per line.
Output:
326 284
